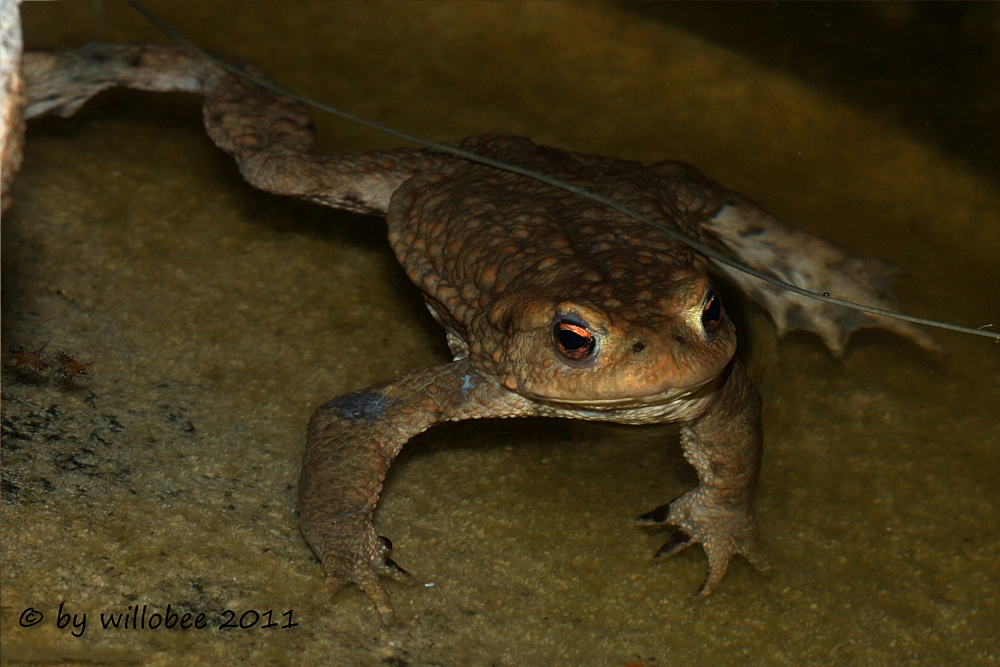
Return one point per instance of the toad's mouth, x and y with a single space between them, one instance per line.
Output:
662 397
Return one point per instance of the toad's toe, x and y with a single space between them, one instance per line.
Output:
677 543
722 529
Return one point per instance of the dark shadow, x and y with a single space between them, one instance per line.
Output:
929 66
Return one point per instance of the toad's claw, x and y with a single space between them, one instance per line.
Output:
677 543
655 516
365 571
721 528
389 565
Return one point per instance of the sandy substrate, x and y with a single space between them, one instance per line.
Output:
218 318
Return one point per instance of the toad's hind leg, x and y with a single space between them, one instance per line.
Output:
351 443
269 134
724 445
772 246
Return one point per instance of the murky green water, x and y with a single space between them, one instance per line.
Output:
219 317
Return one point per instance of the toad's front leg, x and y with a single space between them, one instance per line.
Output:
351 443
724 445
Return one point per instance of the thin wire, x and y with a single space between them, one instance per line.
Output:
569 187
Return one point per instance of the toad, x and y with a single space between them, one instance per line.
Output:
553 305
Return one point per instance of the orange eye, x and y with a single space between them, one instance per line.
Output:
573 341
711 314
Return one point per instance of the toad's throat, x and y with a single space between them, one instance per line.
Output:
662 397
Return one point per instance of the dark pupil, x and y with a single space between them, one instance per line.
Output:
574 341
712 315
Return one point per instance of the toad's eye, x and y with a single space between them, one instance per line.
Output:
573 341
711 315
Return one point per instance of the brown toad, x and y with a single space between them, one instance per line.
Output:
553 305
